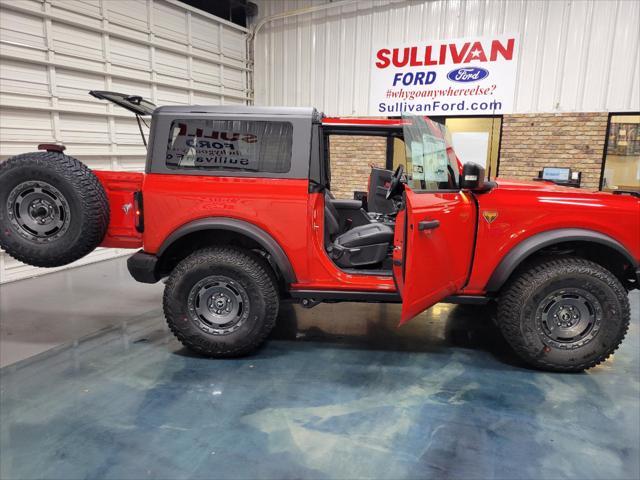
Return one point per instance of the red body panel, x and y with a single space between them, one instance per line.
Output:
436 261
278 206
120 187
295 219
282 208
527 208
362 121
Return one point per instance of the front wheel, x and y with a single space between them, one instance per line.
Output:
221 302
564 315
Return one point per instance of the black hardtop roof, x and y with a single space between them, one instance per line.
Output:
240 110
141 106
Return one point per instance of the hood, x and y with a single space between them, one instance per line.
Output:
513 184
546 186
550 193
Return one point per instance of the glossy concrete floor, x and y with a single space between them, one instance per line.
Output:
338 392
43 312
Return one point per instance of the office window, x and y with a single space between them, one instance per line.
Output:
621 170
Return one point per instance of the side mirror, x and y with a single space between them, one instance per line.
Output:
473 177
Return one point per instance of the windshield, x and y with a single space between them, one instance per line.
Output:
431 162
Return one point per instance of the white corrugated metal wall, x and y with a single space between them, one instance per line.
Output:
573 55
52 52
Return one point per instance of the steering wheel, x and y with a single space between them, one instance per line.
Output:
396 182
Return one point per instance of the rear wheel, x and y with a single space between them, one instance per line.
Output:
564 315
53 209
221 302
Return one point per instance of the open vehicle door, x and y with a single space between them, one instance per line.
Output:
435 232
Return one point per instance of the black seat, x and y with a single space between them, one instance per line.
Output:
364 235
360 246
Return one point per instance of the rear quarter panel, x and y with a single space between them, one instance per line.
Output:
522 213
277 206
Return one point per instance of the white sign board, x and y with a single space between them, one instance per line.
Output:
471 146
465 76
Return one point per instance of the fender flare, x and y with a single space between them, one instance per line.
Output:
536 242
255 233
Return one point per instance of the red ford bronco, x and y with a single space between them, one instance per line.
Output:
235 208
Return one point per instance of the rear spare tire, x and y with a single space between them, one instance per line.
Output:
53 209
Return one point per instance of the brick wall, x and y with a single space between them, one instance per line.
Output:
350 162
533 141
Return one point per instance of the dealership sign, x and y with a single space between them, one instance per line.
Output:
466 76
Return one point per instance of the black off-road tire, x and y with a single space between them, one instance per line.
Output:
528 302
240 275
69 192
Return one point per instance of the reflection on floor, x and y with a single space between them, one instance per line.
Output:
338 392
43 312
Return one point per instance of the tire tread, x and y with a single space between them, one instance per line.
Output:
254 266
92 197
523 285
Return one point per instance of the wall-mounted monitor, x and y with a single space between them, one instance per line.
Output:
556 174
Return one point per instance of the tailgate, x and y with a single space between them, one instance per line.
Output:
120 188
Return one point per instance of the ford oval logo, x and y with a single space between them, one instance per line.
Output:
467 74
